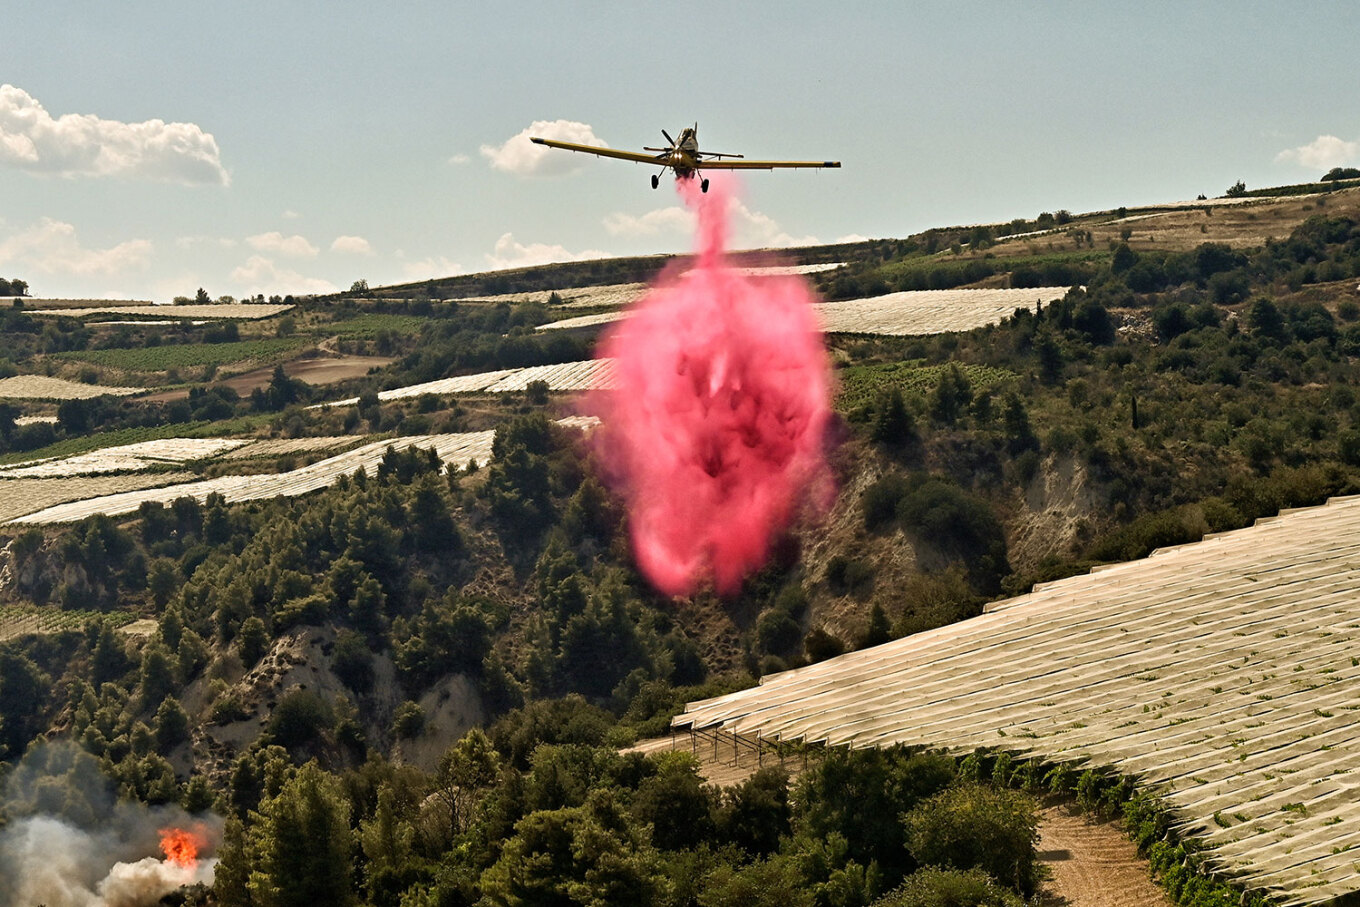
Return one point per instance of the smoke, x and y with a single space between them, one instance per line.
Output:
70 843
716 434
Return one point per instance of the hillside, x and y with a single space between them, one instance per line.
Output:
320 630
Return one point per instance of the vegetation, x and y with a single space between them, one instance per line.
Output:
1189 391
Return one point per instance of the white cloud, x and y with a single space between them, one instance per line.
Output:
292 246
52 247
426 268
85 145
510 253
659 220
262 275
459 159
749 229
754 230
1323 153
520 156
290 214
189 242
351 245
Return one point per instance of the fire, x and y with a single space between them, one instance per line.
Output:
181 846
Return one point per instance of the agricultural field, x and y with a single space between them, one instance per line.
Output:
135 457
23 620
42 387
187 355
860 385
1220 674
909 313
568 376
23 496
274 447
917 312
240 311
456 450
371 323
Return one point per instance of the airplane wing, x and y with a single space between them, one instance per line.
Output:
602 152
744 164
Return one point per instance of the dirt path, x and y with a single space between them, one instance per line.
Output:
1091 864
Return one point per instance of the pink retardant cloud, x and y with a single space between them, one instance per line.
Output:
715 435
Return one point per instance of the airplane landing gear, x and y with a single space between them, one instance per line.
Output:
703 185
656 180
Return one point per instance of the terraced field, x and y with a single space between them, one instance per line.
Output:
23 496
123 458
586 374
1224 675
188 355
41 387
241 311
912 312
457 450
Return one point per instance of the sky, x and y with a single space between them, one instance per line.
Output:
148 149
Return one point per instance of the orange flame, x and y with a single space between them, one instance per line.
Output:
180 846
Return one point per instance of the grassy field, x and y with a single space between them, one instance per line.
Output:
161 358
861 384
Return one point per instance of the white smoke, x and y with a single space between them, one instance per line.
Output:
69 843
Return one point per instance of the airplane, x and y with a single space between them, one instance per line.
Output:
683 157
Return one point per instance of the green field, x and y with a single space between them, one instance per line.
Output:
861 384
161 358
19 620
370 324
70 447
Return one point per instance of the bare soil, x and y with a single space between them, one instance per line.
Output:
317 371
1091 864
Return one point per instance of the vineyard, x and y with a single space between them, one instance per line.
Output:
24 620
1221 675
162 358
860 385
41 387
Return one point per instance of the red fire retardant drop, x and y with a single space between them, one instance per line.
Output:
715 434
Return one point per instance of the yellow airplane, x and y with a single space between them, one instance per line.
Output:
683 157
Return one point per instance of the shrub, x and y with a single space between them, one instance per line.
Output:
972 826
934 887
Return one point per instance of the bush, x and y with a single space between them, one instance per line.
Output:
409 722
934 887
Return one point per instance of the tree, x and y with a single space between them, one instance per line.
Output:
359 287
1236 190
1341 173
974 826
303 844
202 297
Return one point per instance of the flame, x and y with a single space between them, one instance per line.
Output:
181 846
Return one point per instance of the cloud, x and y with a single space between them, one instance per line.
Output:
189 242
292 246
84 145
261 275
1323 153
659 220
522 157
52 247
510 253
290 214
351 245
426 268
459 159
754 230
750 229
